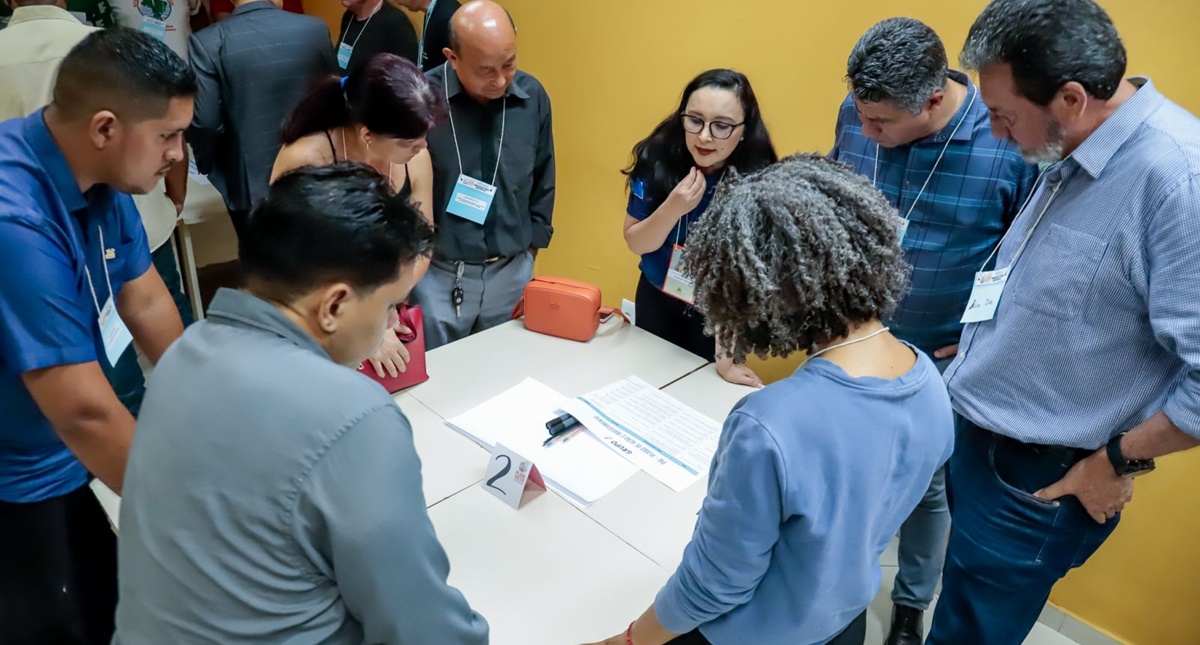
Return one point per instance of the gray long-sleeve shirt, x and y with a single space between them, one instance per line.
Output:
273 496
522 210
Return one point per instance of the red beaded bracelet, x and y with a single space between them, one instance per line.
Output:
629 634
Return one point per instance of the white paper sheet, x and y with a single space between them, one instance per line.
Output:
576 466
670 441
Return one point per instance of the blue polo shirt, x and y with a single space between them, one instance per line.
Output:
654 264
49 231
972 197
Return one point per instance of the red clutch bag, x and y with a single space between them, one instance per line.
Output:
415 373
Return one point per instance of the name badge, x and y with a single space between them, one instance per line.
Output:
471 199
343 56
156 28
114 332
679 284
902 230
985 296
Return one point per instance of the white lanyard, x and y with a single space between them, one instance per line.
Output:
925 185
1029 234
454 132
361 31
849 342
424 32
107 279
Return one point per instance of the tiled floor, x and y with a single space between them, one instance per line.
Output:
1044 633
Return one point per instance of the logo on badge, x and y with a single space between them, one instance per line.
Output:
156 9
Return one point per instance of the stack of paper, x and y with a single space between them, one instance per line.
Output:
670 441
576 466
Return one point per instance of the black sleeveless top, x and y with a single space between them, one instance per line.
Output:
405 190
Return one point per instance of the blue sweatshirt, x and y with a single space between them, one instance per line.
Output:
812 477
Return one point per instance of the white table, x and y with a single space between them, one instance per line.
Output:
468 372
203 203
450 462
648 515
545 574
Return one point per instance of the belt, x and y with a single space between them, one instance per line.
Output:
474 263
1061 454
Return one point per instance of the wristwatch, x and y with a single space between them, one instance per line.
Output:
1126 467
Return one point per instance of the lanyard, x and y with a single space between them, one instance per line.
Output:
454 131
849 342
421 57
925 185
108 279
361 31
1028 235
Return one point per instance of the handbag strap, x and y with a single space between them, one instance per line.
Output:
406 319
519 309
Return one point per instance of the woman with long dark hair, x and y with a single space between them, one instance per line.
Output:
379 115
675 170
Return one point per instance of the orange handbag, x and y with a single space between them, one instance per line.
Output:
564 308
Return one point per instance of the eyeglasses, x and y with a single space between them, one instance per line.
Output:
718 129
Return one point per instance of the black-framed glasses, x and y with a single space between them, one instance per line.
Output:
718 129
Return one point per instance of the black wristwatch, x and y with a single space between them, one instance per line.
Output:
1126 467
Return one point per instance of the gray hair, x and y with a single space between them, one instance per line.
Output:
1049 43
900 60
792 256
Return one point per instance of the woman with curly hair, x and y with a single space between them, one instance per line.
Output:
675 170
814 474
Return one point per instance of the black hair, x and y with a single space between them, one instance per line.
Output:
1049 43
900 60
662 160
388 95
336 223
123 70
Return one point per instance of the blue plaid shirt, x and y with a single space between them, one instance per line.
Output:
1098 328
971 199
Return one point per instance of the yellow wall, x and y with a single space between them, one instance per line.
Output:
613 70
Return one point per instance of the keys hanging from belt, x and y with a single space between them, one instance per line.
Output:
456 292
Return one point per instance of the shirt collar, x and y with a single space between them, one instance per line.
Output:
966 132
454 86
231 305
37 135
1101 145
47 12
252 6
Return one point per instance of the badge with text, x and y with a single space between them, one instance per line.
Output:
511 477
679 284
114 332
902 230
985 296
471 199
154 27
343 56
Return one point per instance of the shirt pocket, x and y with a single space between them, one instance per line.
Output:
1058 273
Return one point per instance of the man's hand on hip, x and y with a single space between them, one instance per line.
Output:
1096 485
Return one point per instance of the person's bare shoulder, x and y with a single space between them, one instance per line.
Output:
311 150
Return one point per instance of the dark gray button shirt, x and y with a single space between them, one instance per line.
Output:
521 212
273 496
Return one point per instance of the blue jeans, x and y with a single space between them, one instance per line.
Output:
923 541
126 378
1007 547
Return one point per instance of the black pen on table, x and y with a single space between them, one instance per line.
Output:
560 425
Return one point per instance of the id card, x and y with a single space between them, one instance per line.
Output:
343 56
679 284
902 230
985 296
156 28
471 199
113 331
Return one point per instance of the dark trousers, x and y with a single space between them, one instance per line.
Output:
854 634
673 320
58 572
1007 547
126 378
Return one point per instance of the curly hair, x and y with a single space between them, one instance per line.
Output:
793 256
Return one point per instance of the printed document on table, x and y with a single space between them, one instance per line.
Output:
670 441
576 466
